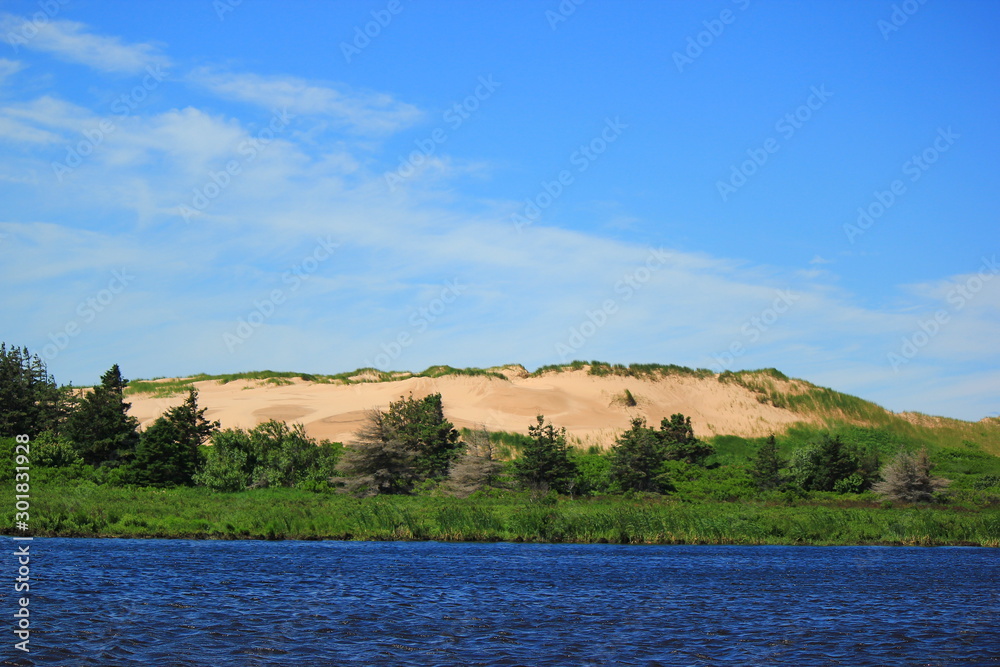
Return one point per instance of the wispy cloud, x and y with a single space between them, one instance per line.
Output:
361 112
72 42
9 68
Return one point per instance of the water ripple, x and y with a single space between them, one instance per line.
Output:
178 602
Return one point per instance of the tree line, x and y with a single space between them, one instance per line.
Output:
409 447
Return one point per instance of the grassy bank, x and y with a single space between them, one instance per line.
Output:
90 510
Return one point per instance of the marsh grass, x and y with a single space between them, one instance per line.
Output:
90 510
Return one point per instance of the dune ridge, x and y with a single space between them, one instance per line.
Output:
592 407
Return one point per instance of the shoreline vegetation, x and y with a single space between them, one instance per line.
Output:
279 514
849 473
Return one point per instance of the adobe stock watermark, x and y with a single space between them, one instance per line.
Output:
454 117
28 30
223 7
562 13
714 28
786 126
121 108
901 13
581 159
958 297
419 322
914 169
363 36
595 320
248 149
86 312
264 309
754 328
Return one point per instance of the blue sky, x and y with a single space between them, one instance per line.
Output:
221 186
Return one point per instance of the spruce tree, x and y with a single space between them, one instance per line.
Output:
544 463
169 451
101 428
677 436
30 402
409 443
765 468
420 426
637 457
378 461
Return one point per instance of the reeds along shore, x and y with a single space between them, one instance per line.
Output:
91 511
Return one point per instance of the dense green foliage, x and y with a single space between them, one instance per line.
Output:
271 454
101 426
93 471
408 444
766 466
544 463
30 401
169 451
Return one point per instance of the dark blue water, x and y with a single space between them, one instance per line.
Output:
164 602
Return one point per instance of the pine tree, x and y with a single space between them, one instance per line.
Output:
101 427
409 443
544 462
637 457
30 402
765 468
169 451
421 427
378 461
677 436
833 462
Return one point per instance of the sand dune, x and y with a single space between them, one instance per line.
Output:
588 406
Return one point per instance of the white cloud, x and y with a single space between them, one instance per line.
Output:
71 41
14 131
9 68
367 113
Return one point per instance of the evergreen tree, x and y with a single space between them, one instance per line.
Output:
765 468
30 402
101 427
640 453
637 457
378 461
544 462
820 466
678 438
409 443
420 426
169 451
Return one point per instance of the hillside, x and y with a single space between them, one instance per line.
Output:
590 399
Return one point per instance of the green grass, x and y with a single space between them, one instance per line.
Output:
836 411
89 510
162 388
641 371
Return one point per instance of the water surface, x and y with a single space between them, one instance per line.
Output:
184 602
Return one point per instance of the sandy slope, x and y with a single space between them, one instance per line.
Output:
583 403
